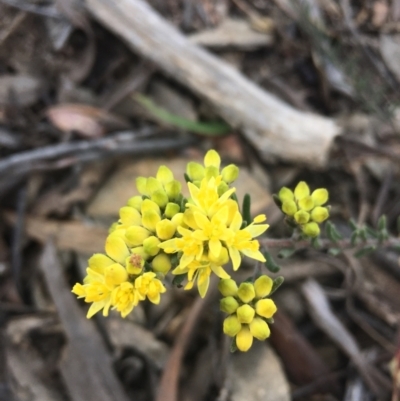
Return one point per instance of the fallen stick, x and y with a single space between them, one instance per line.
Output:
275 128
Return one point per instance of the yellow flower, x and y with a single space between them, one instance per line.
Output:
241 241
125 297
148 285
200 271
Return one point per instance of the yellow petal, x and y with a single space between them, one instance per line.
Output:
219 271
215 247
164 175
256 230
94 308
203 281
285 194
116 248
212 158
306 203
301 191
235 256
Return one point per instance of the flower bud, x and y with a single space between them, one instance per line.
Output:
165 229
150 245
263 286
230 173
231 326
173 189
302 217
150 220
161 263
141 184
116 248
259 329
320 196
134 264
212 159
319 214
301 191
195 171
148 204
265 308
222 259
164 175
211 171
228 305
245 313
244 339
189 220
311 229
171 210
115 274
129 216
160 197
289 207
178 220
227 287
136 202
99 262
306 203
246 292
153 185
285 194
139 250
222 188
135 235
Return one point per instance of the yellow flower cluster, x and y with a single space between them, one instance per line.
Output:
160 230
305 209
248 310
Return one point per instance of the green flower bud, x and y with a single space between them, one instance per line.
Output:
173 189
306 203
141 185
246 292
161 263
285 194
302 217
227 287
311 229
160 197
211 171
231 326
320 196
301 191
136 235
222 188
289 207
171 210
195 171
150 245
244 339
153 185
319 214
150 219
148 204
136 202
165 229
265 308
259 329
164 175
263 286
230 173
212 159
228 305
245 313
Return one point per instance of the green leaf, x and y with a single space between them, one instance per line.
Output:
235 198
270 263
246 209
334 251
332 232
277 283
178 279
316 243
270 320
187 178
382 223
372 233
365 251
164 116
353 224
354 238
233 347
363 234
285 253
277 201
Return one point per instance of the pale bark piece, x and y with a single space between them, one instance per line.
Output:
257 375
87 366
68 235
390 50
121 186
275 128
23 90
236 33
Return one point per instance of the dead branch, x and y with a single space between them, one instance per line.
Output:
275 128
